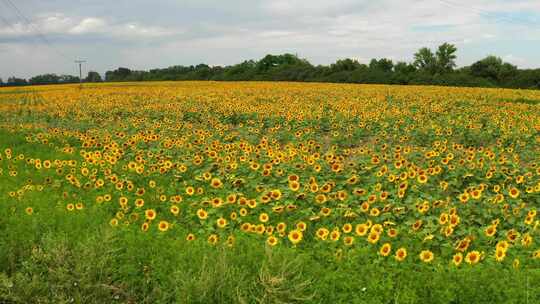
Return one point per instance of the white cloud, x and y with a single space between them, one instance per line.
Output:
89 25
57 23
516 60
227 32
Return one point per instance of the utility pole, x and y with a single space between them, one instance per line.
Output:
80 62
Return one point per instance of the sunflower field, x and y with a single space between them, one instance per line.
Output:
255 192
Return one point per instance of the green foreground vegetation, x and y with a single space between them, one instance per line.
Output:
98 254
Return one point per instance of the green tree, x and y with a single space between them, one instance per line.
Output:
446 57
93 77
493 68
345 65
425 60
14 81
383 64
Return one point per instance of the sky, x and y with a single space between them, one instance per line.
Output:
38 37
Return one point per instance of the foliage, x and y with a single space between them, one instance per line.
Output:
93 77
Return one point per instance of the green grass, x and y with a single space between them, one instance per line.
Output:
85 265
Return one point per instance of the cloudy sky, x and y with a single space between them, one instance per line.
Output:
46 36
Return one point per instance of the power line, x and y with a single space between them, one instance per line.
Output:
25 20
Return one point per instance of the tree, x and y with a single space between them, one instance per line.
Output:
274 61
44 79
120 74
446 57
14 81
346 64
383 64
93 77
425 60
68 79
493 68
404 68
1 82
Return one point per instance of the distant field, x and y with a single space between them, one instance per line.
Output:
254 192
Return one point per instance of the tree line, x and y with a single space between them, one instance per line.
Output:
429 67
50 79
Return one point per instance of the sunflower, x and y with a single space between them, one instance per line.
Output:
144 226
335 235
325 211
373 237
502 245
272 241
190 190
347 228
426 256
29 210
463 245
392 232
417 225
374 212
512 235
221 222
385 249
260 229
275 194
322 233
150 214
443 218
295 236
246 227
361 229
454 220
472 257
448 230
457 259
139 203
400 254
377 228
202 214
490 231
213 239
464 197
174 210
348 240
500 254
263 217
526 240
294 186
163 226
320 198
513 192
281 227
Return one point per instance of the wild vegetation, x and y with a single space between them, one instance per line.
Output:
264 192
